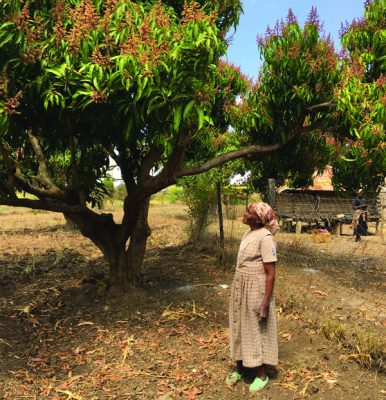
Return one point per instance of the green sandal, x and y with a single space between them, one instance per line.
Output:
258 384
233 378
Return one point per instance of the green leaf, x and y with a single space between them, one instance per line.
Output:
177 118
129 128
201 116
188 108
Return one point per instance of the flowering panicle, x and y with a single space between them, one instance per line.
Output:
217 139
21 19
319 87
381 145
271 33
193 12
4 80
202 97
377 129
294 50
291 18
382 100
330 140
224 65
12 104
98 97
313 19
357 69
98 58
33 49
85 20
58 15
381 81
144 43
159 16
344 27
104 23
356 24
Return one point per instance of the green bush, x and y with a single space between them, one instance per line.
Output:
170 195
200 197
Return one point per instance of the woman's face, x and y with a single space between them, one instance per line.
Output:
250 217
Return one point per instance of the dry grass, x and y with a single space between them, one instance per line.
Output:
369 347
333 330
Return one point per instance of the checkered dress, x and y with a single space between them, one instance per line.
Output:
253 342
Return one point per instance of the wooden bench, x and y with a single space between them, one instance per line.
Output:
331 210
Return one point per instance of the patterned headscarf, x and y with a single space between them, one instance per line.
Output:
266 216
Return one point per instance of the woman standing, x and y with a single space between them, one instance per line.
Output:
252 319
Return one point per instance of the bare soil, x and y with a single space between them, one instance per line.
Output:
63 336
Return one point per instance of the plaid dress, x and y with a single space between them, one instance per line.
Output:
253 342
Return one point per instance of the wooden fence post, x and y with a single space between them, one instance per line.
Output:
220 214
271 193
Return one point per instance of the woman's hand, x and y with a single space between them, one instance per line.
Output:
263 312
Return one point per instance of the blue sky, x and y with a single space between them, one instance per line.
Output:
258 14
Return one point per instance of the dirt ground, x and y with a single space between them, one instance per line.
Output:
62 336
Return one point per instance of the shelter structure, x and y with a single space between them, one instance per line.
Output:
320 205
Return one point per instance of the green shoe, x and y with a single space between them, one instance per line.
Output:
258 384
233 378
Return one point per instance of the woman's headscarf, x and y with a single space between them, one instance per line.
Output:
266 216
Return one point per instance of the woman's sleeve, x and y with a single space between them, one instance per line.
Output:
268 249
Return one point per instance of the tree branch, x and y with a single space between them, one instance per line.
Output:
38 192
40 205
242 153
43 175
110 152
10 167
166 177
74 164
15 174
316 107
149 162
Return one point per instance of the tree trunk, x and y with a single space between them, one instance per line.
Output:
123 246
70 224
126 261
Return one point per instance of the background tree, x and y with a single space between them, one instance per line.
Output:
299 71
360 96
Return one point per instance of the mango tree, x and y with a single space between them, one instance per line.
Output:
84 82
352 139
360 97
295 88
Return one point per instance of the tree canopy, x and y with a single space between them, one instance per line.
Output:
360 96
302 69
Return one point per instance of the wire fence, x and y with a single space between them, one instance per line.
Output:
316 231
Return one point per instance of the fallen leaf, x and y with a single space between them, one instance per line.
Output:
70 395
85 323
70 381
320 293
79 350
192 393
287 336
37 359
